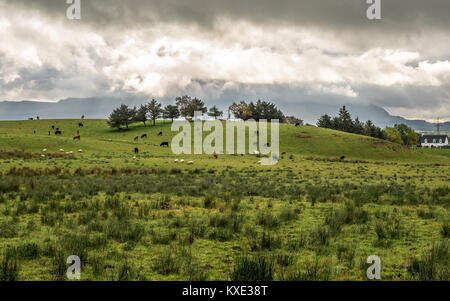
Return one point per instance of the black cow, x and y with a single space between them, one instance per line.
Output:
80 124
53 127
164 144
144 136
136 150
297 124
342 157
58 132
160 133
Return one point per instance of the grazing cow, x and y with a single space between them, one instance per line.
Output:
144 136
58 132
136 138
164 144
121 130
49 133
216 156
80 124
283 153
34 131
136 150
37 117
53 127
82 117
297 124
342 157
160 133
77 137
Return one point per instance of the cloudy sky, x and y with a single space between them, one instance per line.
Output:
224 50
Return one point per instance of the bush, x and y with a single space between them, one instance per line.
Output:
253 268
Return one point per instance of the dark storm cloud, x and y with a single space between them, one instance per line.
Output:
411 15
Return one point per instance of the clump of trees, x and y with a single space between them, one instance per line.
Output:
401 134
186 106
344 122
257 111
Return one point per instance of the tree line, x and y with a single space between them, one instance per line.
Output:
186 106
400 133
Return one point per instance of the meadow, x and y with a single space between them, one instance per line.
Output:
312 216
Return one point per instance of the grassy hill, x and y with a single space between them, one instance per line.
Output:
98 140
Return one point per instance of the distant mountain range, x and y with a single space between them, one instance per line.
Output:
101 107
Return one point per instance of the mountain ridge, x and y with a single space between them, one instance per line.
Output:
99 108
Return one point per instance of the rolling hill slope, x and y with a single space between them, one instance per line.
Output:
98 140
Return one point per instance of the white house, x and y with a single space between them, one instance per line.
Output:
434 140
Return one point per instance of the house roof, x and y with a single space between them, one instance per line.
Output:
431 137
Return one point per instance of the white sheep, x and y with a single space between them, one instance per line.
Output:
43 156
61 150
190 162
181 161
134 157
44 150
175 161
256 152
80 150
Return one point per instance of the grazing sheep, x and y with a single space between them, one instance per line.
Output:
44 150
61 150
134 157
164 144
175 161
190 162
80 150
181 161
43 156
255 152
259 162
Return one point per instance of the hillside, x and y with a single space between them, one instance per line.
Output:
98 140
